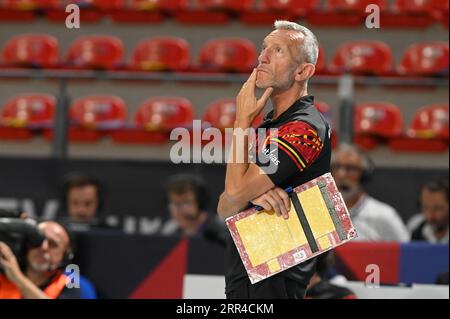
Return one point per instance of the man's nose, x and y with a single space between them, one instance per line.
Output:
263 57
44 245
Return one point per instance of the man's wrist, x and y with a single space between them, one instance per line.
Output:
20 280
242 123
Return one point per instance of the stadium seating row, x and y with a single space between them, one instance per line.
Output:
400 13
93 117
218 55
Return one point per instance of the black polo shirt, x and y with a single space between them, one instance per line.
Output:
303 140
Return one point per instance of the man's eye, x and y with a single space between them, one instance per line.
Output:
279 49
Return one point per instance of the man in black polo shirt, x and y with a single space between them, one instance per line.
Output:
302 140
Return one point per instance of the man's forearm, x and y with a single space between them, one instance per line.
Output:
29 290
237 164
227 207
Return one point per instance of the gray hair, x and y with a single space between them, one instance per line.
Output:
367 163
309 47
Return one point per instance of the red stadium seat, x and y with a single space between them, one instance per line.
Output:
162 54
98 112
300 7
234 5
148 11
363 57
426 59
428 131
212 11
92 117
355 6
166 5
29 4
31 50
102 5
423 6
102 52
221 114
271 10
154 120
378 118
90 10
408 13
344 12
430 122
165 113
375 122
25 113
228 55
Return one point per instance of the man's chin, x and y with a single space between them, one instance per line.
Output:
262 85
40 267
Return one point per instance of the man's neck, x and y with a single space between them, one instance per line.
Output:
38 278
283 100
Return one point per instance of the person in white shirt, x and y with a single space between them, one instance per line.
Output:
373 219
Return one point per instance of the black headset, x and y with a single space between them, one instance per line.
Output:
367 170
69 254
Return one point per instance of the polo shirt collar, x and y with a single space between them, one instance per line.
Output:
301 103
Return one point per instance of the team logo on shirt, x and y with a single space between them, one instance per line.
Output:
272 155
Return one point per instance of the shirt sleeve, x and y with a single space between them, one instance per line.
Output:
288 150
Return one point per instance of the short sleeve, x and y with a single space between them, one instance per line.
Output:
288 150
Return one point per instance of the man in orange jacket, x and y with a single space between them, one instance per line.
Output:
42 277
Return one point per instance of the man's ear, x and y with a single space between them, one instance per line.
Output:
305 71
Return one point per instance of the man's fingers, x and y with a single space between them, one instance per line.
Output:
266 205
275 204
5 251
265 97
252 78
280 202
285 198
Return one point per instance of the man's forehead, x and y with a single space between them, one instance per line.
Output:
348 156
53 230
284 35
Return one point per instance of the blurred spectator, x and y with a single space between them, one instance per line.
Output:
81 197
188 200
373 219
432 224
320 287
82 201
42 275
